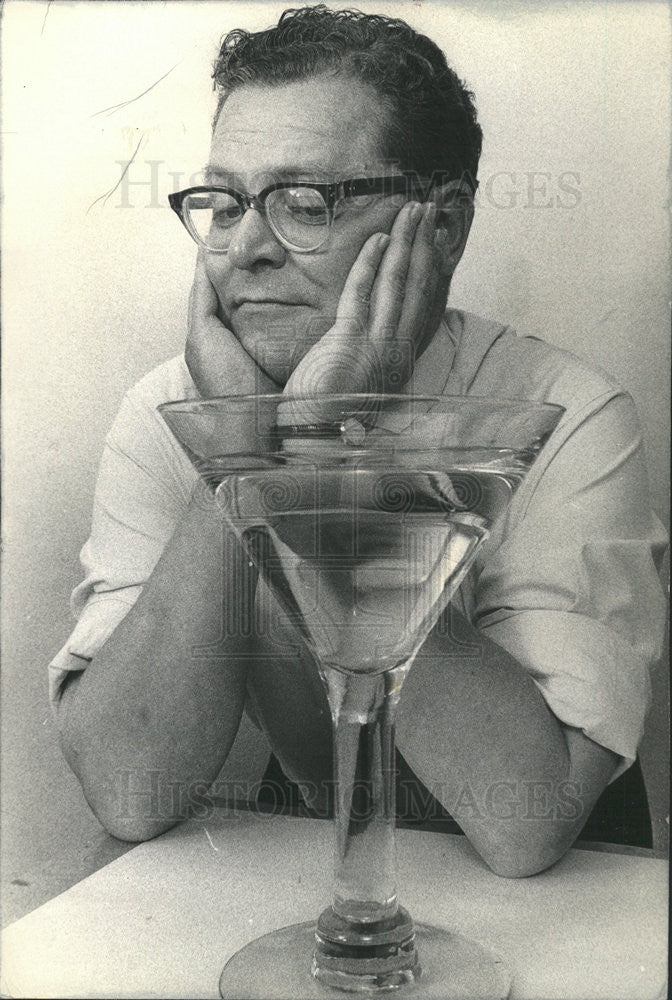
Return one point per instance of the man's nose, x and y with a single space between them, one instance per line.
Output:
255 243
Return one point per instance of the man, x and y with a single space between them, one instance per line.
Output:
563 607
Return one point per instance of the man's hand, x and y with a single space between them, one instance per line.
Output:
217 362
384 313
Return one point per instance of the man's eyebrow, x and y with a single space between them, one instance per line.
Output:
210 172
286 172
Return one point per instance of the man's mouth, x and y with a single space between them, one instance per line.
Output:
264 301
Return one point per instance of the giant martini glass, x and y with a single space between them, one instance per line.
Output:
362 515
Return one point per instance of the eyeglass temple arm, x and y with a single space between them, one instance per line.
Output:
405 184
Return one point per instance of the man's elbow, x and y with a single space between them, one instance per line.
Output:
126 812
521 853
135 829
125 816
509 864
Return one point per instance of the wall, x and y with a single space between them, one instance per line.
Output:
570 242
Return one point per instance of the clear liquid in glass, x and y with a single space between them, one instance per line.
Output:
361 560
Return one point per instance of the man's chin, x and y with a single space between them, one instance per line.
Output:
278 369
279 375
277 353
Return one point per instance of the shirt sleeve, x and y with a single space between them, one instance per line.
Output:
144 485
573 590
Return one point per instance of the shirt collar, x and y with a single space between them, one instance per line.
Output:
431 373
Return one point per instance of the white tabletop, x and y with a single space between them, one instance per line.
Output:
162 920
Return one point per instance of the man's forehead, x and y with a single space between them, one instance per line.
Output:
302 130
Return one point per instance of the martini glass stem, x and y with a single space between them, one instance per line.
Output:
363 710
364 934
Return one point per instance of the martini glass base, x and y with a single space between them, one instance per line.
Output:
275 967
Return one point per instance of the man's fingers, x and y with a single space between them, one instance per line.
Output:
353 307
390 287
203 302
421 279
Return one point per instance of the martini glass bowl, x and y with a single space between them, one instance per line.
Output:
362 514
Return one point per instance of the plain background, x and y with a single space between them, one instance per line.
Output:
570 243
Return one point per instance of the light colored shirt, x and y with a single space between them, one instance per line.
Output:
567 582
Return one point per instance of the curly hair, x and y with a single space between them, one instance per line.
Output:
432 125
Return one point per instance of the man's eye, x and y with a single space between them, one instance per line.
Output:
225 217
311 215
302 205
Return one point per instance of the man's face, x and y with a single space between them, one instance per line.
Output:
276 301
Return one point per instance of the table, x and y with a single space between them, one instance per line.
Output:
162 920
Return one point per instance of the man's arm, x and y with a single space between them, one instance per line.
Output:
150 709
521 737
159 705
479 734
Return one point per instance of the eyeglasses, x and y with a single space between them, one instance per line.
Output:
299 213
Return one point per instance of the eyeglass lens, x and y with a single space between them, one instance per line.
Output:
298 216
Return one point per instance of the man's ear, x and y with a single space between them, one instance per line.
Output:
455 213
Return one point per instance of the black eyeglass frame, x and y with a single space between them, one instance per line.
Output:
331 193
